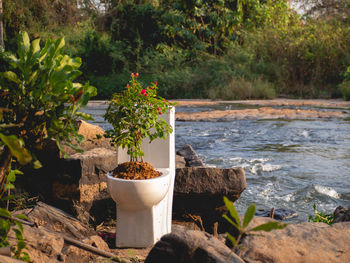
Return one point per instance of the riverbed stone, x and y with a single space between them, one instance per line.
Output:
209 185
199 192
278 213
342 214
190 156
190 246
302 242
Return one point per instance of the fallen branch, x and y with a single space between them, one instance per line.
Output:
94 250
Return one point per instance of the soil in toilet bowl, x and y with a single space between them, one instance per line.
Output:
135 171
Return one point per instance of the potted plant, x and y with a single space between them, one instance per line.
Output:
135 114
142 193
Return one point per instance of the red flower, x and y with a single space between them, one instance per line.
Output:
127 85
159 110
143 92
137 75
155 83
132 75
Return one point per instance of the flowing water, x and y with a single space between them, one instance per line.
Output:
289 164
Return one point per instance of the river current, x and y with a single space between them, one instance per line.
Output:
289 164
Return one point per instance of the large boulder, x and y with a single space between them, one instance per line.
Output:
77 184
303 242
190 156
190 246
200 190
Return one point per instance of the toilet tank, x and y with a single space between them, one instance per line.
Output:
160 153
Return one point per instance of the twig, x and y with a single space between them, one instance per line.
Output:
272 212
197 219
92 249
215 229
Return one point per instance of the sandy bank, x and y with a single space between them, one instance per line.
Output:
261 113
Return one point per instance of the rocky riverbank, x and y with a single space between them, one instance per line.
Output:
78 186
269 109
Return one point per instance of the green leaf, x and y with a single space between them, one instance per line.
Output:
9 186
231 221
249 215
23 217
232 239
5 213
37 164
35 45
19 225
233 212
11 76
25 40
16 147
269 226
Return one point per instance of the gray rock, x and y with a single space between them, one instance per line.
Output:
191 157
198 188
190 246
341 214
278 213
304 242
199 192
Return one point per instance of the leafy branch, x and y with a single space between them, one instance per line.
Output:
242 228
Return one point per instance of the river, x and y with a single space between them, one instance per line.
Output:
289 164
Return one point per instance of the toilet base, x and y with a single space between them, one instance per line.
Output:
140 229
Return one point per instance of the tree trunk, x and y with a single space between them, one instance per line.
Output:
1 27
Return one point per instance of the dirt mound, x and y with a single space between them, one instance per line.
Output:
135 171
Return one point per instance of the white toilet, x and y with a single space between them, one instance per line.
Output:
144 207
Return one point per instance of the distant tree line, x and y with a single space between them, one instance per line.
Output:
232 49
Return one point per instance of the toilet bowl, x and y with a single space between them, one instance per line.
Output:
144 207
139 223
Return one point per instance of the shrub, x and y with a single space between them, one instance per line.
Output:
321 217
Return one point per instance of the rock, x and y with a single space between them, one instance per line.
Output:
190 246
303 242
199 191
90 133
278 213
77 185
74 254
260 114
57 220
4 259
198 188
180 161
44 246
191 157
93 166
341 214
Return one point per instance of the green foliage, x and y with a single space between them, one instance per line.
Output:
8 223
135 114
242 228
39 94
345 85
321 217
198 49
